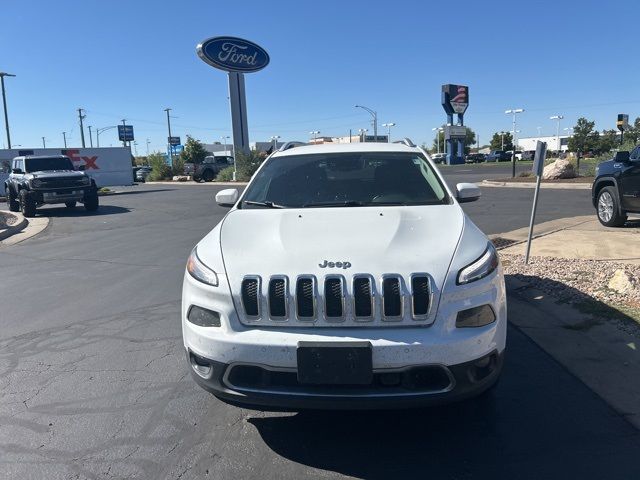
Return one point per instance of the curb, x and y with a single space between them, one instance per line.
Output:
13 229
191 183
558 186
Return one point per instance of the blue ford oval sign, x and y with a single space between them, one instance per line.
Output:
233 54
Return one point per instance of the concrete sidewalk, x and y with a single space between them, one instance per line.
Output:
578 237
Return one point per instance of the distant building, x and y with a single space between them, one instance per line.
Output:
554 143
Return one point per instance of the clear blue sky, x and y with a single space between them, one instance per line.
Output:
132 59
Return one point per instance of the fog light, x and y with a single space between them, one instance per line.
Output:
200 366
475 317
203 317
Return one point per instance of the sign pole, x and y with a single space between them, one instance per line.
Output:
538 164
238 106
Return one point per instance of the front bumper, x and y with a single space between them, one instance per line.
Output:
413 387
436 351
60 195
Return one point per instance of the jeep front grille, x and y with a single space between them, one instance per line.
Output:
61 182
337 301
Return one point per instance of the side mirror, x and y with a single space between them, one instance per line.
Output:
227 197
16 170
467 192
82 168
621 156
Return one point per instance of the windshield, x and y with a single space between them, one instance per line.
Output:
40 164
346 179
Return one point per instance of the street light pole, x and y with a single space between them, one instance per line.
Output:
169 127
388 125
437 130
315 135
90 138
275 141
363 136
64 138
224 139
557 118
44 143
100 130
375 120
514 112
124 133
4 103
148 142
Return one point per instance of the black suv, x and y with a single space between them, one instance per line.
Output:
616 189
36 180
209 169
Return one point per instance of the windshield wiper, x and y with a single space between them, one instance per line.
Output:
346 203
263 204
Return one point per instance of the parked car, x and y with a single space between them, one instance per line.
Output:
345 276
38 180
498 156
475 158
142 173
439 157
616 188
528 155
209 168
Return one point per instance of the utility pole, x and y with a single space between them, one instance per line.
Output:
64 137
44 143
148 147
124 134
81 117
90 138
4 103
169 142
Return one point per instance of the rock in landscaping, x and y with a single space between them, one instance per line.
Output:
559 169
181 178
622 282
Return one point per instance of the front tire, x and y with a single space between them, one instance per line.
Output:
14 205
91 202
207 175
27 204
608 208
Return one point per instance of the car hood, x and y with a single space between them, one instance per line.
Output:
57 174
371 240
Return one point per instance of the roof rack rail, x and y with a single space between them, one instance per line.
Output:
406 141
289 145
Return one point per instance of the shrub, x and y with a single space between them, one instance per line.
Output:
159 168
225 175
525 174
246 165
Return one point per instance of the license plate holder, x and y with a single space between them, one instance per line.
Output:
335 363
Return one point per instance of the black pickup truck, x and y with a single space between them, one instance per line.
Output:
39 180
616 188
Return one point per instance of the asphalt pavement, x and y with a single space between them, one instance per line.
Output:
93 382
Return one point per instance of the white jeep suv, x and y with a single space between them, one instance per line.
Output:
345 276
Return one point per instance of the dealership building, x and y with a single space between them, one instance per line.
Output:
554 143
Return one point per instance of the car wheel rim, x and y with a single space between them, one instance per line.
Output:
605 207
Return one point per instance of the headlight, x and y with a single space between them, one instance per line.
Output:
36 182
200 271
482 267
86 180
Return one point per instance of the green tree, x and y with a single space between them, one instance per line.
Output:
497 141
582 139
633 134
608 141
193 152
438 138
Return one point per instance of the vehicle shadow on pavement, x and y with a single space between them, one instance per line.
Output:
79 211
137 192
540 422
